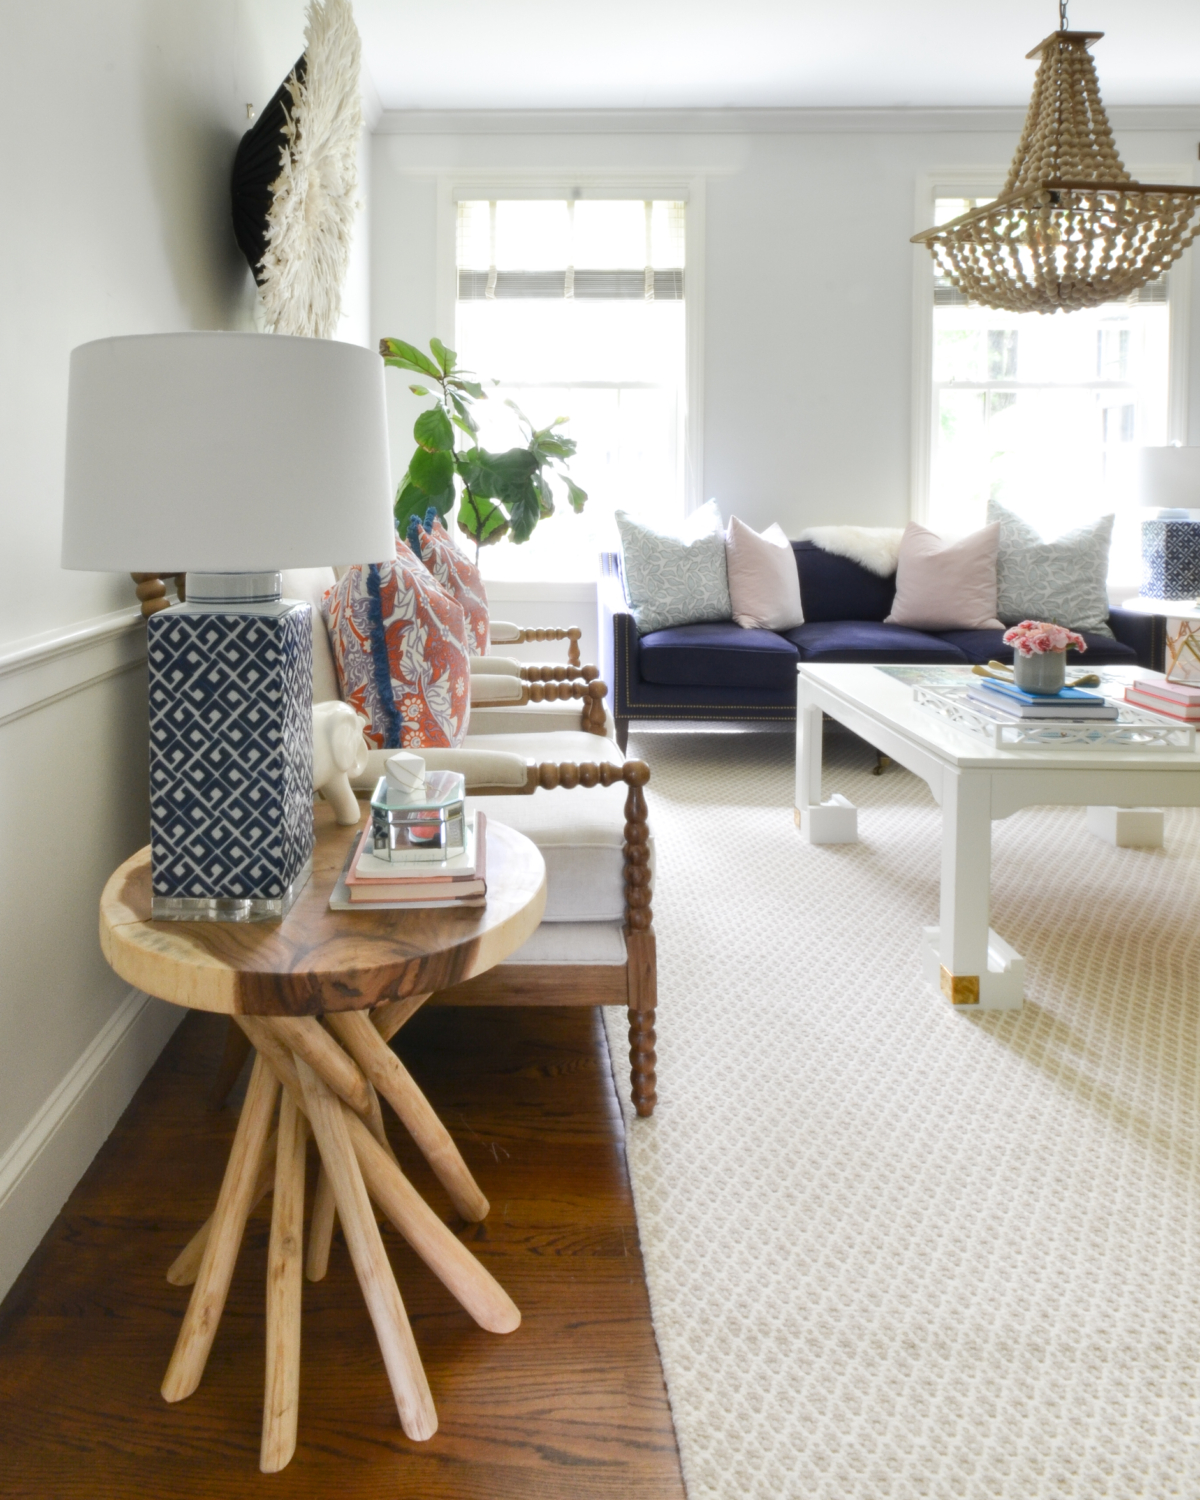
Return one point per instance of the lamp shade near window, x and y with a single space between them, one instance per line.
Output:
225 452
1169 478
1169 482
229 456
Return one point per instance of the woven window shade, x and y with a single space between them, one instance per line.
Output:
652 233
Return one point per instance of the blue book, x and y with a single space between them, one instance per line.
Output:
1064 695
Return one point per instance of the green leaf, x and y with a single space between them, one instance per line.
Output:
404 356
547 446
576 496
411 500
545 494
463 419
432 472
482 520
433 431
419 390
471 387
445 357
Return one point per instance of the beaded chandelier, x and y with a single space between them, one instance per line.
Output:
1070 228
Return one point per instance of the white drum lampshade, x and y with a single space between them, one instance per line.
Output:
225 452
228 456
1169 478
1169 483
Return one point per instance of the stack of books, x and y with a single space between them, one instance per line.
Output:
1006 700
1174 700
369 881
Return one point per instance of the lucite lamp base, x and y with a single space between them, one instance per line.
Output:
229 908
231 825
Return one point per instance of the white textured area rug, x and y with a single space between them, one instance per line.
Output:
895 1250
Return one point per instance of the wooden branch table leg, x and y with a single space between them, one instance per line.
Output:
450 1260
320 1229
184 1267
281 1394
405 1371
228 1222
389 1075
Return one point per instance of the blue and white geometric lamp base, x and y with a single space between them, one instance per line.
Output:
231 789
1170 558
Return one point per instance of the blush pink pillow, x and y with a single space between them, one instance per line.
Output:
764 584
946 585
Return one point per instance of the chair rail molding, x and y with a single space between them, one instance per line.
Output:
41 670
39 1170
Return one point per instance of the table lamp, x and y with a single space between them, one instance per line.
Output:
227 456
1169 481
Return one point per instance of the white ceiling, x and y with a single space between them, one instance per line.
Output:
644 54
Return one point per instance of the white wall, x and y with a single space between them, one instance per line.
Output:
120 120
808 272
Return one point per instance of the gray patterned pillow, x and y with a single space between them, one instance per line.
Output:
676 580
1065 581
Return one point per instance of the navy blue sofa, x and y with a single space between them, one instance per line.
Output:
719 671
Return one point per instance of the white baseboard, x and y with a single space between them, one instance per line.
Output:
40 1168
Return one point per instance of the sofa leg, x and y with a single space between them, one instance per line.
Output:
622 726
642 1060
882 762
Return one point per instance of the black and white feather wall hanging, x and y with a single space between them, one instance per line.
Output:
295 179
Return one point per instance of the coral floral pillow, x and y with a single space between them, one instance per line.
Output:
456 573
399 645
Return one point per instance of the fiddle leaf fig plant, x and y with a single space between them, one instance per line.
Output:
498 494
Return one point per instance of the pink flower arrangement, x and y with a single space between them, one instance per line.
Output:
1032 637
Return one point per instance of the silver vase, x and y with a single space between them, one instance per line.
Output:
1043 672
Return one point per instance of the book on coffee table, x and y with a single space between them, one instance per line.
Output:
1068 703
1171 707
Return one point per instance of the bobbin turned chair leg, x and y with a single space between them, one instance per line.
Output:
640 945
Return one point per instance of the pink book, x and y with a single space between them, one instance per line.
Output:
1173 692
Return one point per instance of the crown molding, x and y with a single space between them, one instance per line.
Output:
909 121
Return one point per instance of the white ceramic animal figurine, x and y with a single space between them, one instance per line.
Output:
339 752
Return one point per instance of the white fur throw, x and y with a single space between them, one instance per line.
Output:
876 548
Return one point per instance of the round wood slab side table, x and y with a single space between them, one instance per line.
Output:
364 974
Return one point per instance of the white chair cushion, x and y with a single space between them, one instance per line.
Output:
495 688
535 718
573 943
508 666
580 832
574 745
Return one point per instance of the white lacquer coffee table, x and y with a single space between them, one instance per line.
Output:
974 783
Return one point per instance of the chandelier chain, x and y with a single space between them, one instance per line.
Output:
1062 15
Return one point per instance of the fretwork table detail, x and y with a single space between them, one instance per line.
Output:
319 995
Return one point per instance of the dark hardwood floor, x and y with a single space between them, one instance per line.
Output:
569 1407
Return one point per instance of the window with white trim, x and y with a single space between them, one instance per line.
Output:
1044 412
576 307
